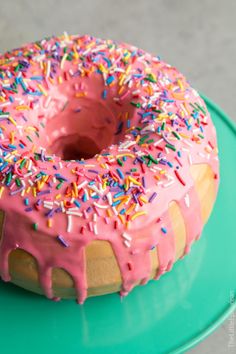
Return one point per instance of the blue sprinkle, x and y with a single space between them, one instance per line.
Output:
77 203
110 79
116 203
120 173
119 194
104 94
84 198
164 230
37 78
26 201
58 176
3 166
169 164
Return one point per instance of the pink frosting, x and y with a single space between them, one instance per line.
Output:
74 97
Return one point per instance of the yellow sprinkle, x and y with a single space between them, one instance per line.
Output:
34 192
184 136
140 213
121 90
42 90
109 213
80 94
30 128
162 116
128 154
143 199
102 68
121 218
150 90
134 181
58 196
40 185
180 83
12 137
1 191
28 190
186 107
122 79
76 55
12 120
120 198
75 189
127 71
91 44
49 222
60 80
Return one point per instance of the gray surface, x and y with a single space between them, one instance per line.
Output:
198 37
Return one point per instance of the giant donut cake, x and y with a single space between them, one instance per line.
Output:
108 167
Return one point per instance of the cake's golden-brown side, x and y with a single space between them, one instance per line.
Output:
103 274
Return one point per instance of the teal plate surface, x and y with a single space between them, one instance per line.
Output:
166 316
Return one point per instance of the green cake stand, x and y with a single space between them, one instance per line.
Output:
167 316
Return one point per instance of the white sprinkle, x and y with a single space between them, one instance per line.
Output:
168 184
69 223
74 213
127 144
115 211
202 155
126 236
158 142
187 142
109 198
127 244
187 200
190 159
63 60
100 206
83 184
62 206
48 100
184 149
95 229
149 127
30 182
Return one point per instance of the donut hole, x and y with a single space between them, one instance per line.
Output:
80 130
75 147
